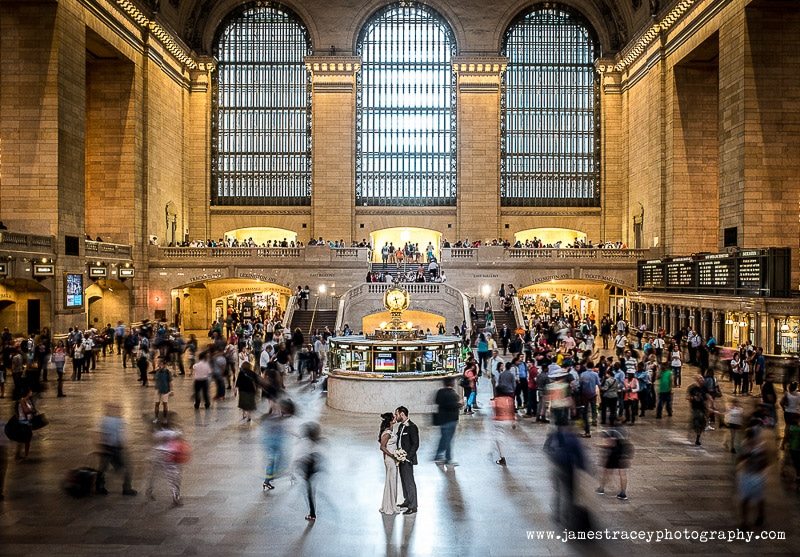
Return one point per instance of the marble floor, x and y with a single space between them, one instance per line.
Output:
476 508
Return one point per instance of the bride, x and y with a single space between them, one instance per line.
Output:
388 441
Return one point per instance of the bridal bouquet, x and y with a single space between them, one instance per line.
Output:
401 455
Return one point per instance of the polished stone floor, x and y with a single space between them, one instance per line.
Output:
477 508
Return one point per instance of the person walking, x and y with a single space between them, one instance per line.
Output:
163 382
664 392
698 401
113 451
275 433
59 358
448 404
608 398
246 386
469 384
309 463
170 452
201 371
630 390
618 453
566 455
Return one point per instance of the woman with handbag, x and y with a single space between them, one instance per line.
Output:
24 429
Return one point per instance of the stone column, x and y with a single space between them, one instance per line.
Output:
716 322
333 105
478 105
613 196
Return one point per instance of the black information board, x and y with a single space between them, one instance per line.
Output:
746 272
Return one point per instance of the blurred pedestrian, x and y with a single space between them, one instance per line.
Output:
698 401
618 452
113 451
246 387
201 372
170 452
751 475
309 463
275 434
564 450
446 417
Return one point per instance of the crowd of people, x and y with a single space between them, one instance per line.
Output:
577 243
555 371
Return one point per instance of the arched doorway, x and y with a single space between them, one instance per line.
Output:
421 320
555 237
579 298
195 307
399 236
107 301
262 235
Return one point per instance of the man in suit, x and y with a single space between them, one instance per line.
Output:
408 436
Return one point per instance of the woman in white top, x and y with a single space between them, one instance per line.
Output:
736 372
388 441
676 362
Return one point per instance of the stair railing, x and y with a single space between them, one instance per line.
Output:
291 305
313 315
519 317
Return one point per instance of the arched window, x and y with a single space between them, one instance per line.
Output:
550 114
261 122
406 119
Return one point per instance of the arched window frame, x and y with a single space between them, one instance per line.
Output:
552 194
402 194
291 183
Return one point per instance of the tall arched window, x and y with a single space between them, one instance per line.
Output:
406 119
551 116
261 122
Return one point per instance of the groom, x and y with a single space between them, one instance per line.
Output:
408 440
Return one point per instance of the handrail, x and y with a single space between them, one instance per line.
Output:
337 328
518 316
313 316
288 315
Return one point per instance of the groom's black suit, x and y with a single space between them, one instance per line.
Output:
408 435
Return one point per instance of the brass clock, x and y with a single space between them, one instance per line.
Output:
396 299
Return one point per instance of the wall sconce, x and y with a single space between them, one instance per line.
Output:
785 326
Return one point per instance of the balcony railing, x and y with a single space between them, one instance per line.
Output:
305 254
106 249
575 253
493 254
15 241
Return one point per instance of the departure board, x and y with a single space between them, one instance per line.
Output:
749 273
716 271
740 272
680 273
651 274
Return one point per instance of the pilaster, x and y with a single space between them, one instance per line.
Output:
478 80
333 104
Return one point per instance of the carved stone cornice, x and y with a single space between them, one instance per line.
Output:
393 211
333 74
479 74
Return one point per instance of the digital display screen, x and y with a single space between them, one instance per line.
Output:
73 290
384 362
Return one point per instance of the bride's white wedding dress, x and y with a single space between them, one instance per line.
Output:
389 505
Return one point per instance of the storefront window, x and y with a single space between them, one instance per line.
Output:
787 333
